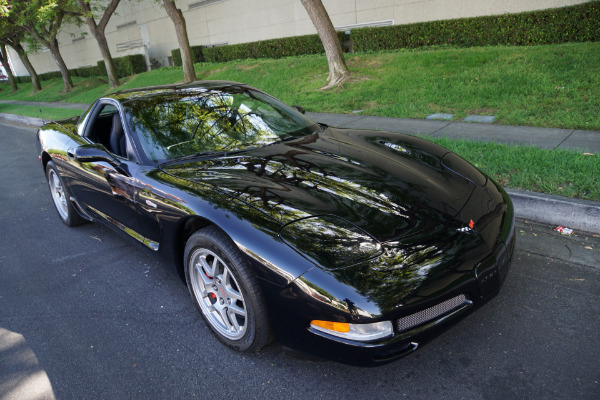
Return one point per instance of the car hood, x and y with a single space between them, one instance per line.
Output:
389 185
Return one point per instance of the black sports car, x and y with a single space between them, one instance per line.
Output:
352 245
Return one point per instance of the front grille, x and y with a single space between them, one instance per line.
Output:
433 312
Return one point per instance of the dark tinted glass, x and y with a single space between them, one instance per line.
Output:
172 125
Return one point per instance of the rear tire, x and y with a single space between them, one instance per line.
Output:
225 290
64 206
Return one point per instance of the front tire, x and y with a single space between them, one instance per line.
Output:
64 206
225 290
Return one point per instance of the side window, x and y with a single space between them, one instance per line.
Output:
106 128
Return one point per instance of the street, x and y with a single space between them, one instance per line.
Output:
85 314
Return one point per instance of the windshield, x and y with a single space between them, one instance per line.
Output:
177 124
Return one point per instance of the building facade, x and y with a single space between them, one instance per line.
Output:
143 27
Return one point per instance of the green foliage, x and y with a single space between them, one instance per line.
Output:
86 72
197 55
50 75
176 55
580 23
125 66
273 48
23 79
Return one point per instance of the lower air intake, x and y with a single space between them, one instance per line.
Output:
433 312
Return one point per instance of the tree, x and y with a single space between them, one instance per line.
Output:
176 16
338 70
97 30
42 19
12 36
4 59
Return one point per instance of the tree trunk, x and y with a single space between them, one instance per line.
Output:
53 47
35 80
64 71
176 16
338 71
6 65
98 32
111 71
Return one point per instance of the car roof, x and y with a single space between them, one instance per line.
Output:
124 95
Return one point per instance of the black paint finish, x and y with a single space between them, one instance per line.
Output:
340 225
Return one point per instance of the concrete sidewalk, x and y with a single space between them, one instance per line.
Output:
580 215
545 138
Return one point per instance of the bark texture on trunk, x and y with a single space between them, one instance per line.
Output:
176 16
35 79
64 71
98 30
52 45
338 70
6 65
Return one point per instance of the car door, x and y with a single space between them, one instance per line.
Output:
107 190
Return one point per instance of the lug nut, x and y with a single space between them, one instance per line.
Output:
221 300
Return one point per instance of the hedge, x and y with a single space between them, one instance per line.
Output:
46 76
86 72
197 55
125 66
580 23
273 48
23 79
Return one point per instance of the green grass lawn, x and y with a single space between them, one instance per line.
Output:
45 113
559 172
547 86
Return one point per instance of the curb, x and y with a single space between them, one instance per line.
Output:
580 215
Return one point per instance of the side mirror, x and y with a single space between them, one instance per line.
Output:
96 153
299 108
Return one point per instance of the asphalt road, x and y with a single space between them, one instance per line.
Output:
87 315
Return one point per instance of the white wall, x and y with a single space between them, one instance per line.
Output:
238 21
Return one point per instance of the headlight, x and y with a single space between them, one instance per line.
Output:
358 332
330 241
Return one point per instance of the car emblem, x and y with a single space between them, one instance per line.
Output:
151 204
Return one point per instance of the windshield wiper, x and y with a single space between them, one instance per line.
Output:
196 155
202 155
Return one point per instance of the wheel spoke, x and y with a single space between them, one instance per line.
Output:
225 318
237 310
201 273
215 264
234 321
206 269
233 294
